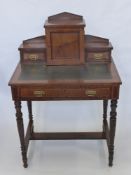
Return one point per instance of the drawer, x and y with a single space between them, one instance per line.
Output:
42 92
98 92
84 93
98 56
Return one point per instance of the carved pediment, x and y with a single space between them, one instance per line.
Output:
65 16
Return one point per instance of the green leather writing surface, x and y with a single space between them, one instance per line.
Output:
83 72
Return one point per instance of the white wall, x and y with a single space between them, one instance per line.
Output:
23 19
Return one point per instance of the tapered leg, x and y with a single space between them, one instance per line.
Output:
20 126
29 105
113 114
105 106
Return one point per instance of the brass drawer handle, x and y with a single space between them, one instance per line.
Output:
33 57
39 93
90 93
98 56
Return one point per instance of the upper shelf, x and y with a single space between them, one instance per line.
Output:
91 43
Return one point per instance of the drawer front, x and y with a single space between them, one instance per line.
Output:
98 56
85 93
98 92
33 57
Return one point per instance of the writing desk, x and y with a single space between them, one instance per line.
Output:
92 81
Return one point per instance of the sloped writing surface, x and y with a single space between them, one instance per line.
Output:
40 72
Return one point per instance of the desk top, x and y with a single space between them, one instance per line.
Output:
40 74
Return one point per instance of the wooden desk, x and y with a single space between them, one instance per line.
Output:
92 81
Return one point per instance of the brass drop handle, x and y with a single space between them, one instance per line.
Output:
98 56
39 93
33 57
90 93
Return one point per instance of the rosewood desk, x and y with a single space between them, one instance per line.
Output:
38 82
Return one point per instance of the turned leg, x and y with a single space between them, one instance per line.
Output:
113 114
29 105
20 127
105 105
